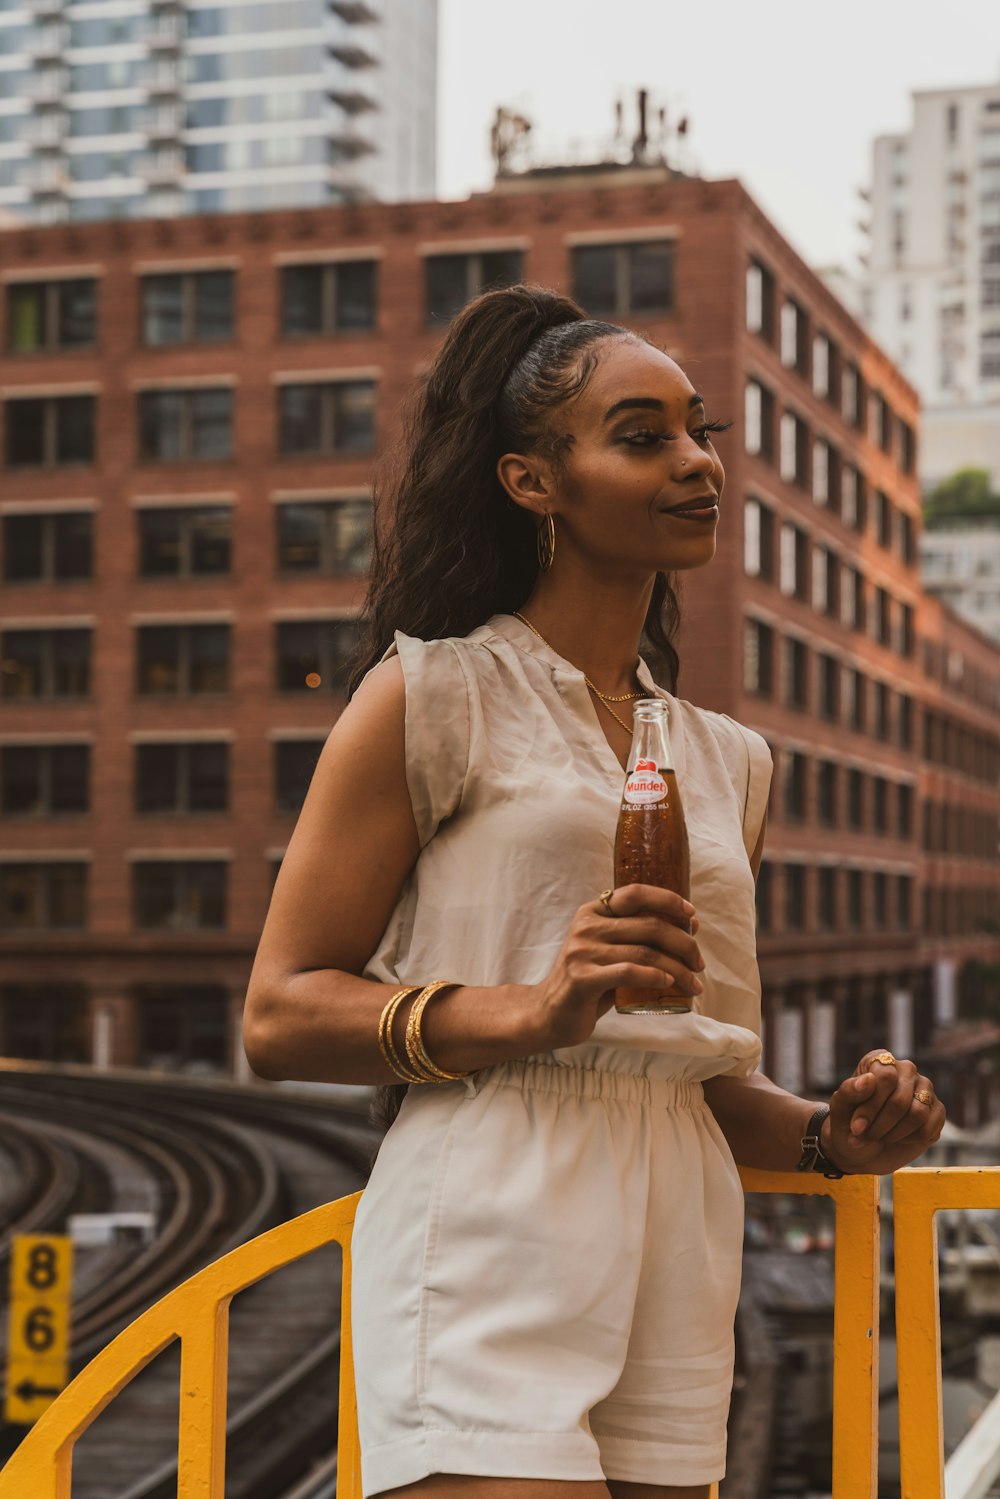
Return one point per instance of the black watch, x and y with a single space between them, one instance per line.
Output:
812 1158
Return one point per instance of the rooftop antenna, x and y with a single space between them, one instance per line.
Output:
642 139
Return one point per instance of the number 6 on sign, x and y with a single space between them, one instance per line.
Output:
41 1277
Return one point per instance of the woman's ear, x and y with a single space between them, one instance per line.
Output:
527 480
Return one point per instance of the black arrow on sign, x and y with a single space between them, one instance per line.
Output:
28 1390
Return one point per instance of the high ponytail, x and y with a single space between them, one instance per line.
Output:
450 548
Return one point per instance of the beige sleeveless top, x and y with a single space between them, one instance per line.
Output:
515 792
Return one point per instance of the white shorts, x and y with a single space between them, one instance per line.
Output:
546 1269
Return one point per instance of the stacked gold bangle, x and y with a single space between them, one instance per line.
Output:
418 1068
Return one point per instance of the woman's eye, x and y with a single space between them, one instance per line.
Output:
643 436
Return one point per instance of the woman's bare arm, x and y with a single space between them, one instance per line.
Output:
308 1015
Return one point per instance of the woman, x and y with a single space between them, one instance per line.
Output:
547 1255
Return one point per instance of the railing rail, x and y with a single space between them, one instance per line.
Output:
197 1313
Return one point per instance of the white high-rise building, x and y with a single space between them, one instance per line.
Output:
931 290
145 108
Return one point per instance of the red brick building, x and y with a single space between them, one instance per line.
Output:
190 412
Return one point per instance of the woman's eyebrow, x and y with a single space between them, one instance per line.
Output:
648 403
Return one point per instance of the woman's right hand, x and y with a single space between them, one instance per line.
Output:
642 945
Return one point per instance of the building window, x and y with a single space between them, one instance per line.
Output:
45 663
796 673
794 461
796 879
829 687
794 561
45 432
860 602
905 721
880 902
904 901
180 660
824 367
821 471
294 763
907 633
46 1022
855 800
44 780
907 539
855 893
181 778
832 591
624 280
793 768
181 1024
904 812
48 548
764 896
39 896
178 426
47 315
826 793
880 713
190 307
332 537
883 519
315 653
820 574
826 904
328 299
179 895
883 616
760 301
853 397
907 448
758 658
452 280
855 683
334 417
794 337
882 422
183 541
759 420
880 804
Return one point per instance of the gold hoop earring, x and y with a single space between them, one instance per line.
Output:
546 543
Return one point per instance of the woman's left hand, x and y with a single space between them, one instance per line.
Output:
882 1118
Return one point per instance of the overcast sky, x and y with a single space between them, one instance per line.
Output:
785 94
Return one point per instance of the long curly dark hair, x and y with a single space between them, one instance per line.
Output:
450 548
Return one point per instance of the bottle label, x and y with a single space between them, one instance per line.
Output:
644 787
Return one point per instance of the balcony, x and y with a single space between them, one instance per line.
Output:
163 170
347 145
47 131
46 10
355 11
49 45
48 86
47 178
163 82
351 101
351 56
164 124
166 35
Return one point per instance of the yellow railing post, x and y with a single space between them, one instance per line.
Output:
855 1320
917 1195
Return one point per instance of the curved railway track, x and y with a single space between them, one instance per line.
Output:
216 1163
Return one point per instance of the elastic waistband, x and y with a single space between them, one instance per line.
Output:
538 1076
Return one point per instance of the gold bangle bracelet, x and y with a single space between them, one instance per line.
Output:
387 1045
416 1051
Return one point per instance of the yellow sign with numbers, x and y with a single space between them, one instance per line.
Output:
41 1281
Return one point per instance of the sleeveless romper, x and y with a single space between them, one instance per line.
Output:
547 1256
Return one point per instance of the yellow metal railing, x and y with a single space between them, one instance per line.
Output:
197 1313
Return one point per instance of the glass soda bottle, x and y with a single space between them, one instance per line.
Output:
651 842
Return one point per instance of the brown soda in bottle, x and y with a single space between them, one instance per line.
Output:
651 841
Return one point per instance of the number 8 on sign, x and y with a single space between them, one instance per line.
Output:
41 1277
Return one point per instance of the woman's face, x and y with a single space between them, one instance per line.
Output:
641 446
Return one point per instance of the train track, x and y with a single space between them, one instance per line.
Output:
217 1164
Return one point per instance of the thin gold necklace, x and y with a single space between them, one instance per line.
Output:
606 698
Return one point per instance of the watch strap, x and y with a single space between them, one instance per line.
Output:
813 1158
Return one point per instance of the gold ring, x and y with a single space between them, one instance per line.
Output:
886 1058
924 1095
605 896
